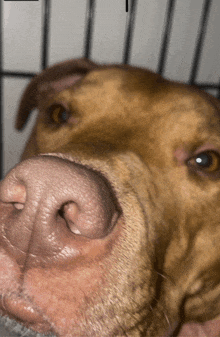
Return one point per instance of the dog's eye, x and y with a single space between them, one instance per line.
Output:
208 161
58 114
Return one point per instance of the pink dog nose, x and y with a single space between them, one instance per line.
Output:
47 202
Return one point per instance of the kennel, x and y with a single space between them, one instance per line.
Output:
130 8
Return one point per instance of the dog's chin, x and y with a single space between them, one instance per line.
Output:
10 328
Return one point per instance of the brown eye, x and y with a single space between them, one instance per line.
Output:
58 114
208 161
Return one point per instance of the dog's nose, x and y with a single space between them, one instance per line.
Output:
48 203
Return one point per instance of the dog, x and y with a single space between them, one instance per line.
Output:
110 224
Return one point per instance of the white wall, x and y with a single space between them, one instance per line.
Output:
23 32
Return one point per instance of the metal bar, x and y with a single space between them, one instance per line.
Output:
17 74
89 27
126 5
129 31
166 36
200 41
218 96
207 85
45 41
1 96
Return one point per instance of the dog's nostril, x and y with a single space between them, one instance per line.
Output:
14 193
69 212
18 205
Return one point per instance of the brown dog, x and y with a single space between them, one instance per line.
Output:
115 231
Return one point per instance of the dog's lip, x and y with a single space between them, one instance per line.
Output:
197 327
20 309
209 328
23 311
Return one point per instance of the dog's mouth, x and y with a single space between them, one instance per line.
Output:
199 311
207 329
196 326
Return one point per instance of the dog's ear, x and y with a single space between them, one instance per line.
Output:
60 76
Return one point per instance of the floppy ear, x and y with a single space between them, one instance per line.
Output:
60 76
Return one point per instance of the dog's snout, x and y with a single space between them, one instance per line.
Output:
48 201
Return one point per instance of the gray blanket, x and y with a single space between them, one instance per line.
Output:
10 328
